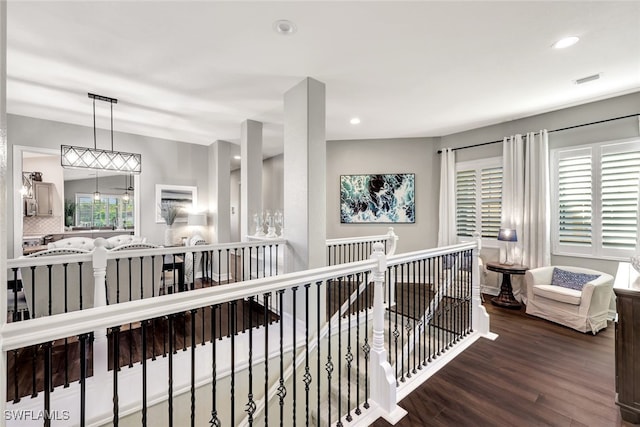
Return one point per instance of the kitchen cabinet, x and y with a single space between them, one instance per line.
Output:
42 202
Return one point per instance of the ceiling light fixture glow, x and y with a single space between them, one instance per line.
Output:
284 27
355 121
237 157
565 42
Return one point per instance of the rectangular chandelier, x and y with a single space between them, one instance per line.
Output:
95 158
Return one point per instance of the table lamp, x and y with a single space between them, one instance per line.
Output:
507 235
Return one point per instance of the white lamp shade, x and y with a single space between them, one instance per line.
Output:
197 219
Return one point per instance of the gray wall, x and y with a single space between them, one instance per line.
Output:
595 111
163 162
408 155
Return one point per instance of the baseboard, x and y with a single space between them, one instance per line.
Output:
489 290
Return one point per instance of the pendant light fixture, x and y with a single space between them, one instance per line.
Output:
96 194
98 159
125 196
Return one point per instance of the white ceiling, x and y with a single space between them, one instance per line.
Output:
193 71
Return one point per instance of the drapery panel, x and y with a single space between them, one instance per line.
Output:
526 200
447 206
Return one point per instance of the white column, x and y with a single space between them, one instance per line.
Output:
250 176
3 201
479 317
220 193
305 158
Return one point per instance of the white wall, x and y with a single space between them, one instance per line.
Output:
595 111
163 162
408 155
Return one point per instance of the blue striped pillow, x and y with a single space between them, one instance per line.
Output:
571 280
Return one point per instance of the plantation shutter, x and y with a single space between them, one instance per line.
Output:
466 202
491 201
575 199
619 188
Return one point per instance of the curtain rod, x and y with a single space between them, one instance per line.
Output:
551 131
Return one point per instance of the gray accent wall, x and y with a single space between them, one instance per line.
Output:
163 162
586 113
373 156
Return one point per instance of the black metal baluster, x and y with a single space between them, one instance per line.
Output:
365 347
66 284
307 374
214 421
83 377
282 391
153 339
432 296
251 404
15 316
318 286
16 392
415 331
396 334
232 376
219 265
349 355
193 367
294 350
228 267
358 312
170 373
34 360
50 284
115 335
340 315
144 372
48 386
329 364
266 356
250 263
184 330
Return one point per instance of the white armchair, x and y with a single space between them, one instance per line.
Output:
585 310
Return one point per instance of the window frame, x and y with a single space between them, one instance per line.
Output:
596 249
478 165
120 201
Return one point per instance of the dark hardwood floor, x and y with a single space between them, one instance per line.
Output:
536 373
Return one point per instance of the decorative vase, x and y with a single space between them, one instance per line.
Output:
168 236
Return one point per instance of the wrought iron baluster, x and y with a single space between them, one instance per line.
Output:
307 374
329 364
232 378
282 390
318 286
214 421
48 384
193 366
83 338
358 312
266 297
115 336
349 355
144 372
396 334
34 360
172 333
16 392
293 350
415 331
339 360
365 347
251 404
50 284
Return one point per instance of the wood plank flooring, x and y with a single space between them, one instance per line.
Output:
536 373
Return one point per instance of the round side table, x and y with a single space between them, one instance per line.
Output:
505 298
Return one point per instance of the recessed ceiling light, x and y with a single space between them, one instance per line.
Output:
284 27
355 121
565 42
237 157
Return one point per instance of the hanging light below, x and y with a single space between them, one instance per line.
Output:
95 158
96 194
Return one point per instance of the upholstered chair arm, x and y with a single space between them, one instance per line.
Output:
596 295
537 276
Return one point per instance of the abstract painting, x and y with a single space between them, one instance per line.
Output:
382 198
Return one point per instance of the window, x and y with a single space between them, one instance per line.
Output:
479 197
595 205
109 211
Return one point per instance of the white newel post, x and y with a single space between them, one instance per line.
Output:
479 316
100 345
383 382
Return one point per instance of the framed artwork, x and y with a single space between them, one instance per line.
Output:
186 197
381 198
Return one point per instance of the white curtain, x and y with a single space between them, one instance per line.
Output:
525 201
447 212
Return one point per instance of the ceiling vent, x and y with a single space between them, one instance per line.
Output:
588 79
